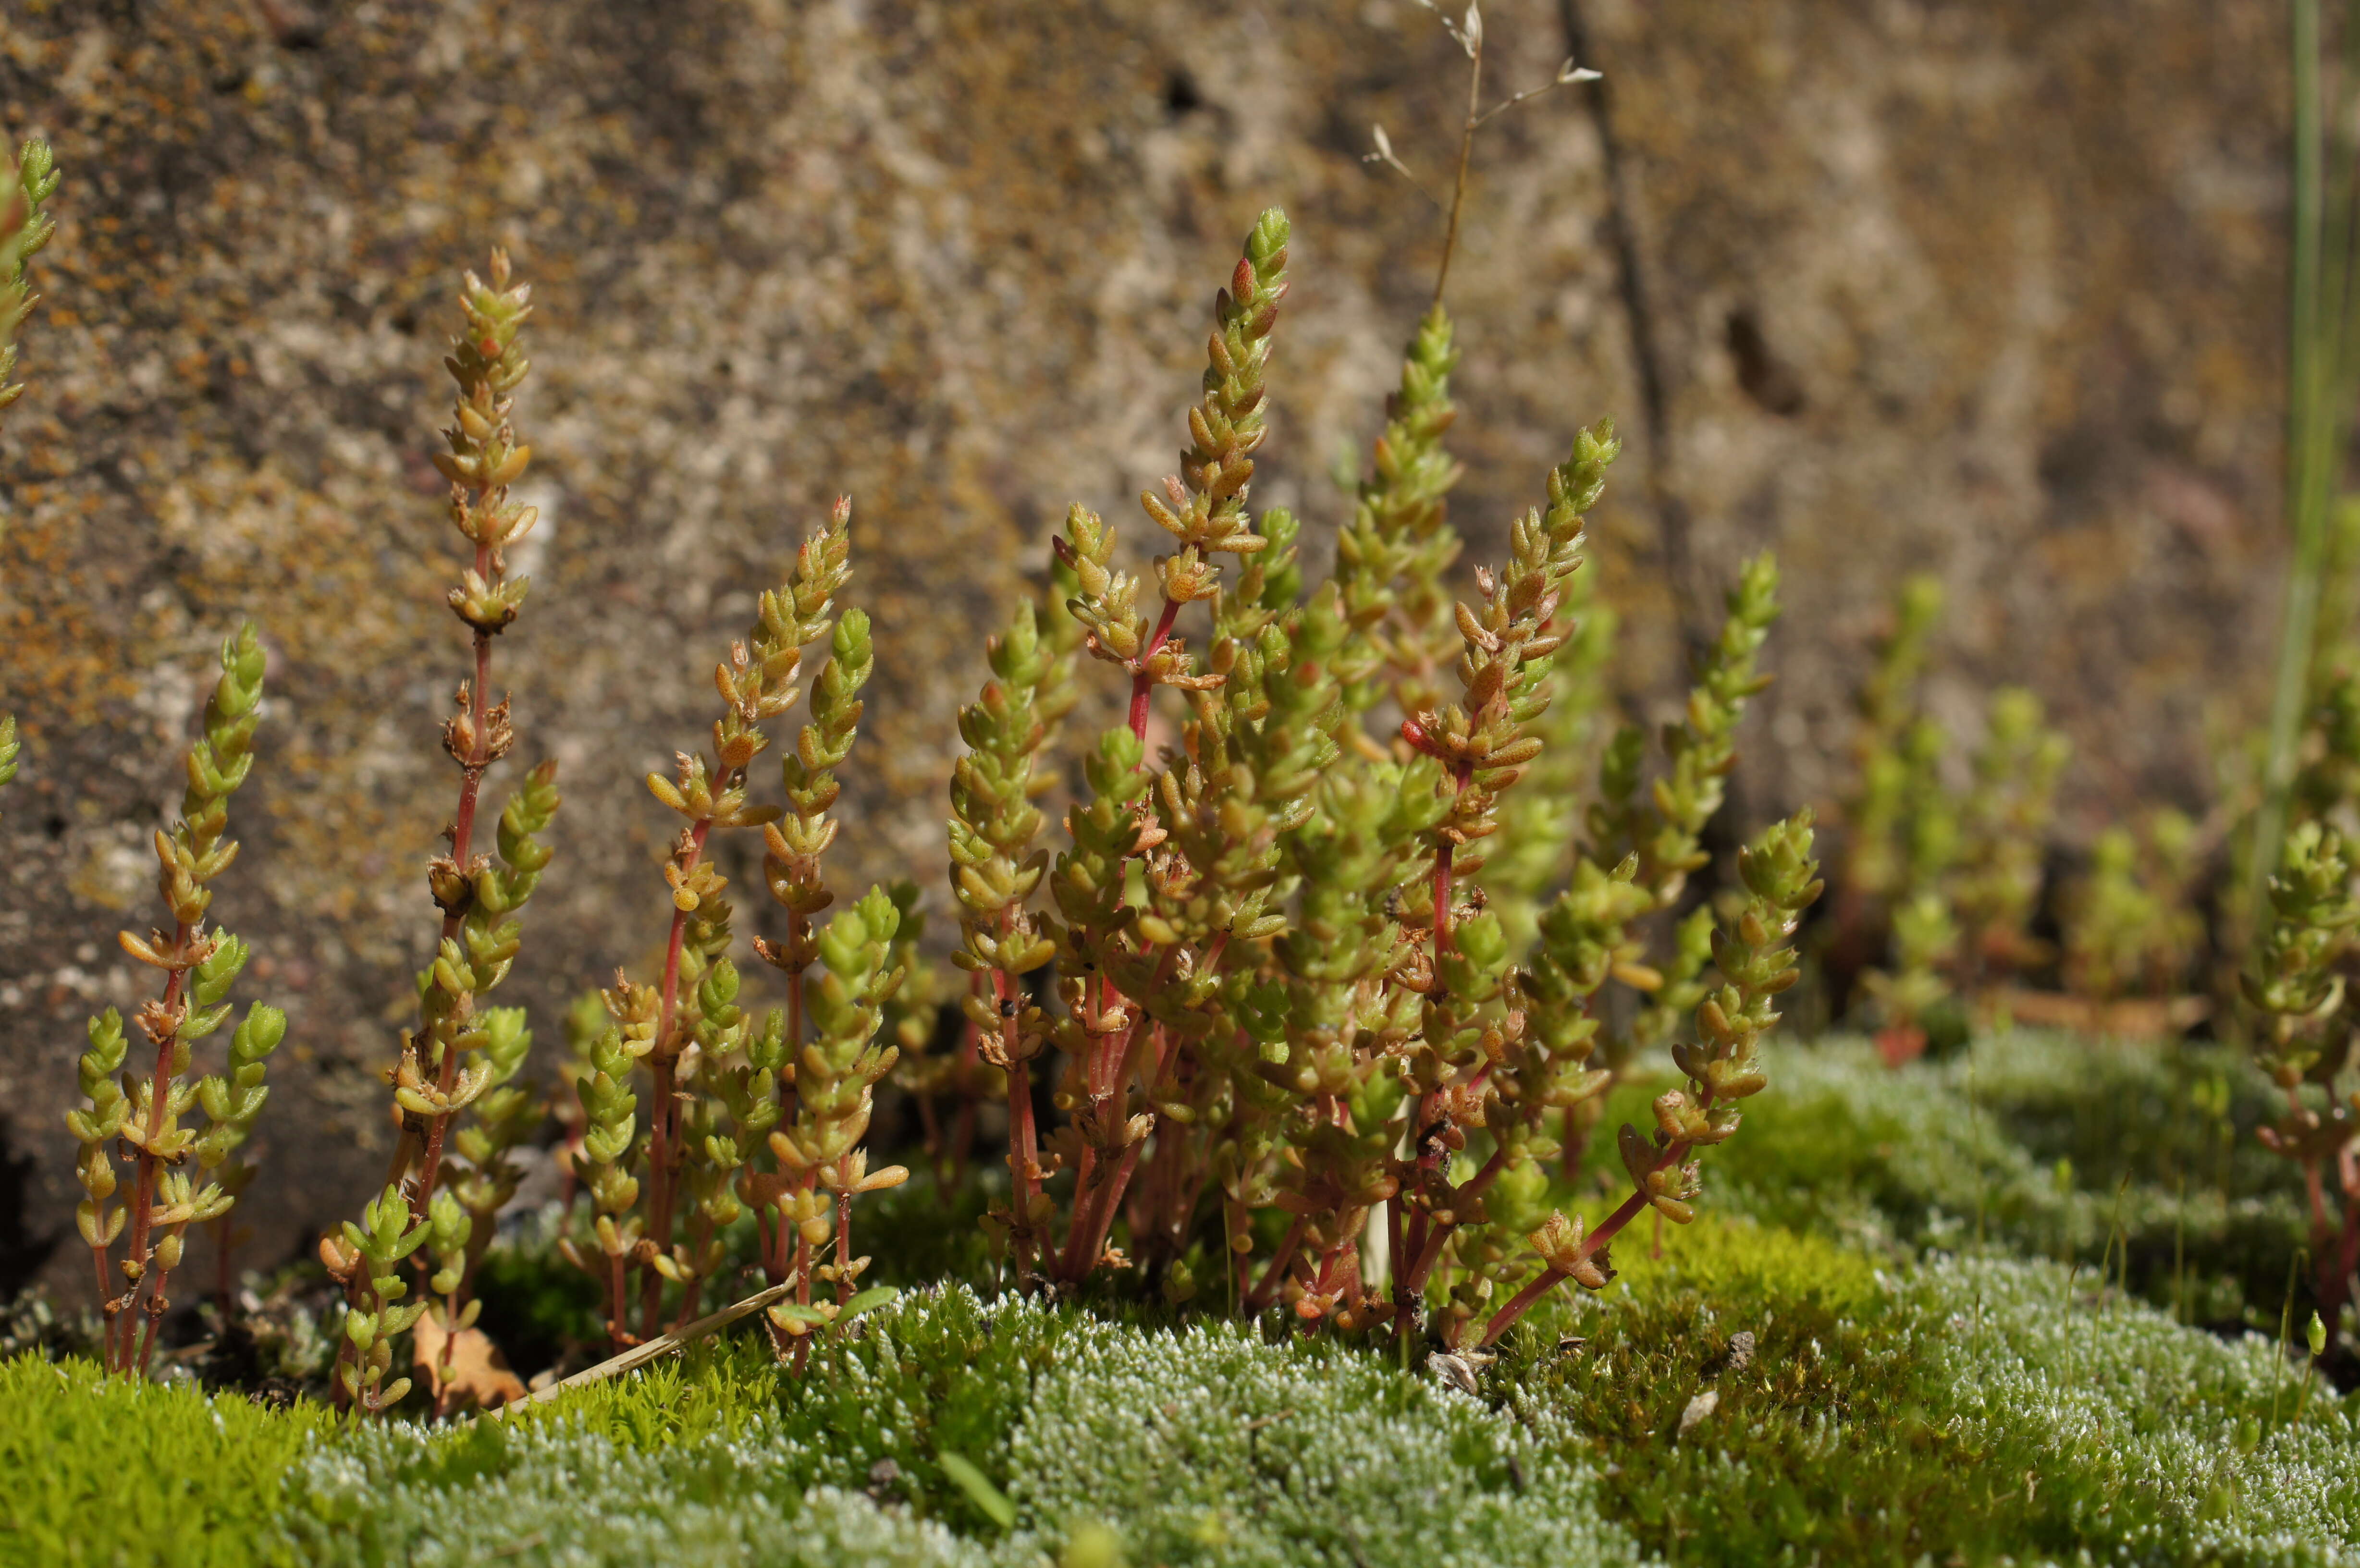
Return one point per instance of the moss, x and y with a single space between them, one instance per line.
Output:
1973 1409
1828 1441
101 1471
2037 1142
2134 1433
1978 1409
1203 1444
1894 1402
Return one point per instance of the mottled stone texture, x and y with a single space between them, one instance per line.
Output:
1991 288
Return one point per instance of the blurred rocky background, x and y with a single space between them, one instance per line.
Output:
1988 288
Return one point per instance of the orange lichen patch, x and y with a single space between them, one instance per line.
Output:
69 662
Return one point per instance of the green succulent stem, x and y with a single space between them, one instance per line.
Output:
2295 983
488 362
366 1260
198 967
27 181
1481 742
704 1059
993 873
1724 1068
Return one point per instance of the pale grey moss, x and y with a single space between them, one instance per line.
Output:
569 1493
1898 1159
1205 1445
2154 1412
1211 1447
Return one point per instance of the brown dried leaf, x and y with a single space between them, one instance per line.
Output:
477 1374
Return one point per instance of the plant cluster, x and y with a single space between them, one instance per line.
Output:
180 1175
744 1118
2304 1043
1257 1023
2131 926
460 1110
1300 1051
135 1118
1938 887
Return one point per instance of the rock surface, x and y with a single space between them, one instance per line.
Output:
1991 289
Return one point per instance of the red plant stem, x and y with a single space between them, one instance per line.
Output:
462 844
1084 1237
1071 1267
1177 1183
1024 1167
1336 1257
1093 1065
775 1268
795 1014
1460 777
673 948
700 1238
429 1160
1393 1238
470 777
1023 1138
1102 1217
2332 1295
1439 1234
1481 1183
1595 1243
1163 1049
479 1240
1142 684
658 1233
1408 1240
1259 1302
616 1296
1442 900
842 1246
1429 1255
663 1114
1520 1303
1409 1275
148 1333
802 1297
2334 1248
1213 953
143 1187
1103 1203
